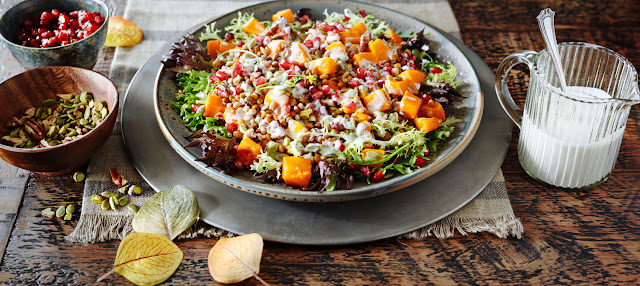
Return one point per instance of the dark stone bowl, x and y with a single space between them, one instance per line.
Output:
83 53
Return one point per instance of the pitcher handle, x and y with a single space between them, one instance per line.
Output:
502 90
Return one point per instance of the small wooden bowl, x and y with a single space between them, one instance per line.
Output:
30 89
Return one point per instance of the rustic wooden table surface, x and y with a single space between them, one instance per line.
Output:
584 237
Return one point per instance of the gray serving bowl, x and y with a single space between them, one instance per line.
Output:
469 109
83 53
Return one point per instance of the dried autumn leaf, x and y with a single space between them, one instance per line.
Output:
146 259
167 213
235 259
122 33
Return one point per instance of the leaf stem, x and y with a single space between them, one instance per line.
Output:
247 266
106 275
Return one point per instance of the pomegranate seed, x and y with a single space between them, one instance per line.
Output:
260 81
55 13
411 65
420 162
304 19
377 176
341 146
426 153
412 58
362 13
365 171
74 14
353 53
345 19
228 37
340 27
381 83
360 73
98 20
221 90
238 68
335 97
317 95
292 72
240 44
326 89
74 24
368 74
28 23
238 164
326 27
222 75
63 19
353 83
313 89
426 97
388 68
308 43
213 78
238 90
285 65
435 70
231 127
194 107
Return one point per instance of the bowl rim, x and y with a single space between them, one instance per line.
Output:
84 136
103 26
393 184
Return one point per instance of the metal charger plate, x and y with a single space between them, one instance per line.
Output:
469 109
332 223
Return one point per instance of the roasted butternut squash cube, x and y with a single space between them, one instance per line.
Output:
275 46
277 96
396 87
362 117
365 59
294 128
394 38
323 66
213 105
248 151
287 14
372 155
377 101
296 171
212 48
427 124
349 36
380 50
432 109
359 28
299 54
225 46
410 105
336 45
414 78
253 27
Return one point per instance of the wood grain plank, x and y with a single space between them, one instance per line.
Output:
12 185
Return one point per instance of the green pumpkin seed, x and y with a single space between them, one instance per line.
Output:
61 211
49 111
123 201
104 113
68 216
87 113
52 130
83 121
39 112
65 96
78 177
70 209
83 96
89 97
98 105
67 105
14 132
97 198
59 121
133 208
54 142
105 205
60 108
122 190
113 202
73 132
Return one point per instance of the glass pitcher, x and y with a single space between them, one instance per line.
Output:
571 139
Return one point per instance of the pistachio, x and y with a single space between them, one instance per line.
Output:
14 132
61 211
78 177
108 194
123 201
39 112
97 199
113 202
133 208
135 190
70 209
68 216
105 205
122 190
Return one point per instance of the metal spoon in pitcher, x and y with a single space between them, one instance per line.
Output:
545 21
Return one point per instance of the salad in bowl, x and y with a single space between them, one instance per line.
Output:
315 103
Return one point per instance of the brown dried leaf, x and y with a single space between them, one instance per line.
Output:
235 259
122 33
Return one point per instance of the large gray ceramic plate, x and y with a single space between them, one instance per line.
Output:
317 223
469 110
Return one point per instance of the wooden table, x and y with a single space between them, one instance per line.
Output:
584 237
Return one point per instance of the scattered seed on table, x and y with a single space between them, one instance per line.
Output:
78 177
61 211
70 209
68 216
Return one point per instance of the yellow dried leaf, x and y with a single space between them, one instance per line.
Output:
146 259
235 259
122 33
